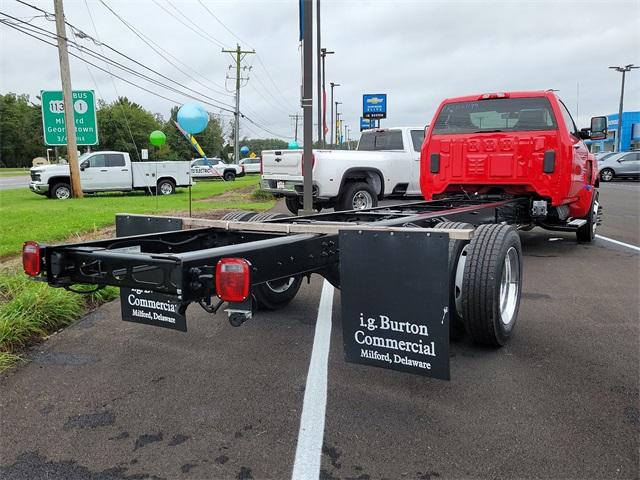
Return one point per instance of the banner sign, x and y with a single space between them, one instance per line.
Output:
150 308
395 300
374 105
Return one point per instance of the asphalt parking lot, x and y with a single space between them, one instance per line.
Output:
106 399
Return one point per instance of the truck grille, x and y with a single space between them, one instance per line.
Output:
35 177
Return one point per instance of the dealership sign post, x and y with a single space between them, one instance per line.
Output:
53 125
374 105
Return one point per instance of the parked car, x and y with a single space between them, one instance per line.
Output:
601 156
385 164
252 165
623 164
215 168
110 172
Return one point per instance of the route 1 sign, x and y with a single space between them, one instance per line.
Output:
84 111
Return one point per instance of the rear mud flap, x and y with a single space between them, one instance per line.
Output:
395 300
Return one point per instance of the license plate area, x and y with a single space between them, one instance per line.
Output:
280 185
151 308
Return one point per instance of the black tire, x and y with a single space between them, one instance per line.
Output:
61 191
239 216
229 175
355 192
456 324
293 204
487 321
587 232
277 294
166 187
607 174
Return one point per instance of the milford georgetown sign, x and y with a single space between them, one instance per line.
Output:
84 111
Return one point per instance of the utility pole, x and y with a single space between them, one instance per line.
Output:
323 53
238 55
623 70
332 127
69 120
296 116
307 107
319 72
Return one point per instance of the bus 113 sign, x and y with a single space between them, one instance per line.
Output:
84 113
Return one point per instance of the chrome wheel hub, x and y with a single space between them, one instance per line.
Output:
362 200
63 193
165 189
280 286
509 286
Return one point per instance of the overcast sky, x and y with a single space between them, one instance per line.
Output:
418 52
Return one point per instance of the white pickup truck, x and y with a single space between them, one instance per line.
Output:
110 172
385 164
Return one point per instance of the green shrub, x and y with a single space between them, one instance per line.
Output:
261 196
30 310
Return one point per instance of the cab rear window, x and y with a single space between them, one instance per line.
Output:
381 140
495 115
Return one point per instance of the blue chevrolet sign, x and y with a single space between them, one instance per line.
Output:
367 123
374 105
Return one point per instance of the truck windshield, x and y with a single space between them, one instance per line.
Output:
381 140
495 115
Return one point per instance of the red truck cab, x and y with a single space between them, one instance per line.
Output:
518 144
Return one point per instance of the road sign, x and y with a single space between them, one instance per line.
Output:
84 107
374 105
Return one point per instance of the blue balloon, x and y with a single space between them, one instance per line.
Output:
244 150
193 118
293 145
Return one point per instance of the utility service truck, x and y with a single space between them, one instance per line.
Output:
411 275
110 172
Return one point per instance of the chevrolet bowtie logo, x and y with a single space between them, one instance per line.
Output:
278 159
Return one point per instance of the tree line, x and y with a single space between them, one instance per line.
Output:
123 126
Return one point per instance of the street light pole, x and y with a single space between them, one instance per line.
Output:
332 127
337 126
623 70
323 105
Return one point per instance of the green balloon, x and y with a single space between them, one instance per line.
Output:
157 138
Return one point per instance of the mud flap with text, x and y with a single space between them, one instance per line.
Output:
395 300
150 308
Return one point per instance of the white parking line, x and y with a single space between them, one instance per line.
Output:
618 242
309 450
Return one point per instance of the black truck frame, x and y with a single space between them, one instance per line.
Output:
179 257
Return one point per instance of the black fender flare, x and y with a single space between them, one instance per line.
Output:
351 172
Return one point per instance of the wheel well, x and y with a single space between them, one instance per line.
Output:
53 180
229 170
371 176
166 178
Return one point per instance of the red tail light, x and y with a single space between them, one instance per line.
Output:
31 258
313 162
493 96
233 279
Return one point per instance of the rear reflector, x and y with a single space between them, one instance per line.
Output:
31 258
233 279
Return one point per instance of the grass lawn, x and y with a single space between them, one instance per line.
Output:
13 172
27 216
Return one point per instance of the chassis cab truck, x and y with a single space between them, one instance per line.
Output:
518 144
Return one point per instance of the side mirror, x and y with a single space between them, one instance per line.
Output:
83 165
598 128
584 134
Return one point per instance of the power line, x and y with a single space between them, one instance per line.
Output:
131 71
150 43
261 63
198 30
34 34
